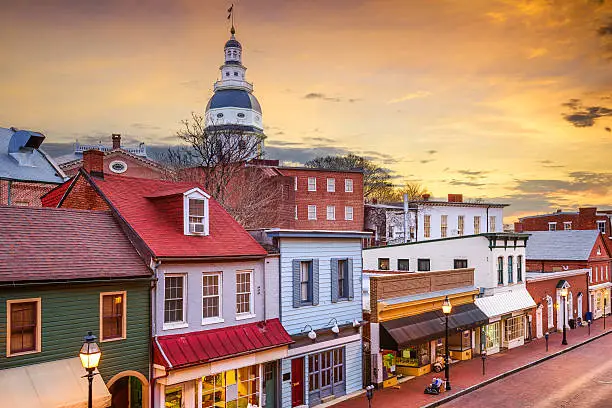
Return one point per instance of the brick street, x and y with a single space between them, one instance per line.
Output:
468 373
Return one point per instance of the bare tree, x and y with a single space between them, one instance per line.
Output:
415 191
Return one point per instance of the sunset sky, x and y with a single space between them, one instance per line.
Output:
506 100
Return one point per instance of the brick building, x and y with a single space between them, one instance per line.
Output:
26 171
558 251
545 290
586 218
117 159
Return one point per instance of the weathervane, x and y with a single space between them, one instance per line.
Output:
231 16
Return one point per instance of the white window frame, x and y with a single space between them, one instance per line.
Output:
295 183
427 226
348 213
219 317
599 224
477 224
312 184
251 313
348 185
492 223
567 226
461 224
552 226
314 211
331 185
443 226
195 194
124 320
38 326
331 212
296 212
181 323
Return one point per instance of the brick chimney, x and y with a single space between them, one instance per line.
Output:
590 212
455 198
116 141
93 163
518 227
426 197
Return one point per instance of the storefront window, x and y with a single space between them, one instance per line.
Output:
514 328
415 356
232 388
174 397
492 333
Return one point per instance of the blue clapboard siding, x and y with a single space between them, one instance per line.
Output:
286 385
319 316
69 311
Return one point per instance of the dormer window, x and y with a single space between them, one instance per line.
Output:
195 212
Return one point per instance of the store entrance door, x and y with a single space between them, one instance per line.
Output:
269 385
297 382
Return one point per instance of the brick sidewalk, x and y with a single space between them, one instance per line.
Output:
465 374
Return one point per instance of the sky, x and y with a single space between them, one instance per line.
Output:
507 100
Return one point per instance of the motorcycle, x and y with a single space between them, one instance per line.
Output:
439 364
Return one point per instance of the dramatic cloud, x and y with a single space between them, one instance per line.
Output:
410 96
595 183
324 97
455 182
470 173
584 116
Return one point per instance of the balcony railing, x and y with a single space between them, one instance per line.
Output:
141 150
234 83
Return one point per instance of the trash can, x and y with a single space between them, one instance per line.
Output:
572 323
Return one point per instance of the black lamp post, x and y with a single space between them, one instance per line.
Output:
90 358
564 296
446 309
370 394
604 313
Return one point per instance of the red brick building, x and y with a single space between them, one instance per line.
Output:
586 218
558 251
545 289
117 159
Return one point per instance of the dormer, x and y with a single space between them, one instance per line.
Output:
195 212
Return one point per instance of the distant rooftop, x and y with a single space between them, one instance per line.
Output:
140 150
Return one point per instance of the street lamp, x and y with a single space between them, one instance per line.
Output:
564 296
90 357
446 309
604 313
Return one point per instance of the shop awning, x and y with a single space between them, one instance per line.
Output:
194 348
600 286
414 330
506 302
56 384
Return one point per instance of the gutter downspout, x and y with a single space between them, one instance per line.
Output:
153 326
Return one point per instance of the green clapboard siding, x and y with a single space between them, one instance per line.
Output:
69 311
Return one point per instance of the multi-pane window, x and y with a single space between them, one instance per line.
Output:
331 185
231 388
460 224
325 370
552 226
492 223
343 281
492 334
244 293
519 268
423 265
306 281
477 224
510 269
23 326
331 212
514 328
196 215
312 212
348 185
113 315
427 226
348 213
500 270
403 264
567 225
312 184
443 226
383 264
173 299
460 263
601 226
211 295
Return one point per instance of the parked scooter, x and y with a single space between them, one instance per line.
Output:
439 364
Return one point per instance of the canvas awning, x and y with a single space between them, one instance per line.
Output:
414 330
56 384
506 302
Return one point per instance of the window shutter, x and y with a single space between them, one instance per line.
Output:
296 283
315 281
349 279
334 279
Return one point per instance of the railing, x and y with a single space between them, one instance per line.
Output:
141 150
233 83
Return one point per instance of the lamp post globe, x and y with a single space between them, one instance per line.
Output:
90 358
446 309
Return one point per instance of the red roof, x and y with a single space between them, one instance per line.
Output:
154 209
184 350
53 197
58 243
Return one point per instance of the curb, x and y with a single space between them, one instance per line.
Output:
513 371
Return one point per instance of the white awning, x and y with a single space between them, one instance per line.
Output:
507 302
600 286
56 384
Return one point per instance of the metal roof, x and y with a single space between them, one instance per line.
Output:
506 302
233 98
39 168
427 295
572 245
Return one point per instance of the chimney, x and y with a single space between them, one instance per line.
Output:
590 212
518 227
116 141
93 163
426 197
455 198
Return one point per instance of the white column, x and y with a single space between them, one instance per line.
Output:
377 369
161 396
199 392
261 384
